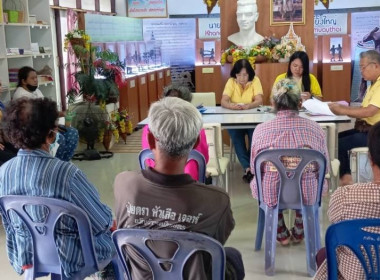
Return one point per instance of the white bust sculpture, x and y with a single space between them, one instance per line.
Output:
246 16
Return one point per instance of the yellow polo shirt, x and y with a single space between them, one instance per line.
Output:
315 89
372 97
245 95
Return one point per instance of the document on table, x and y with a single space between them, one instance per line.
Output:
317 107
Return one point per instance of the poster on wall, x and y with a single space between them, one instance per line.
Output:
329 24
178 46
336 47
209 28
147 8
365 30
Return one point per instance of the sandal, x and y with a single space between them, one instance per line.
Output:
247 178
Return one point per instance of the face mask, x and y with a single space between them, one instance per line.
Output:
54 146
31 88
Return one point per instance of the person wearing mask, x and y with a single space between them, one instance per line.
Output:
28 88
31 125
243 91
288 131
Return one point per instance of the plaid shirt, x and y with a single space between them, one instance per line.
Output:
357 201
287 131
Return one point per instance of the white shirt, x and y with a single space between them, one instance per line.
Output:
21 92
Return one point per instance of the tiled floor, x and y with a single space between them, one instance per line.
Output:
290 261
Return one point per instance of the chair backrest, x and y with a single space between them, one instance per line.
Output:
214 139
45 255
363 243
290 197
188 243
194 155
204 98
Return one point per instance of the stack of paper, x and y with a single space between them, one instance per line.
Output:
317 107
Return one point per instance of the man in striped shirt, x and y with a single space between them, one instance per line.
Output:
31 125
287 131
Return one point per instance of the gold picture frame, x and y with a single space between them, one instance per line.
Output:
284 12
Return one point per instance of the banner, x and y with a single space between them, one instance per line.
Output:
209 28
330 24
364 36
147 8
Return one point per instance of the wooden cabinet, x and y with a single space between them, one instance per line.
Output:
160 80
129 99
167 76
152 87
142 85
209 79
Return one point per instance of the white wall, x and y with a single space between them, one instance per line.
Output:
345 4
121 7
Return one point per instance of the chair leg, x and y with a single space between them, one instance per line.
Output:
232 151
260 229
226 181
271 221
312 238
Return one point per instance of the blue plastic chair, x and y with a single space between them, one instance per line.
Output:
289 197
188 243
362 243
194 155
45 256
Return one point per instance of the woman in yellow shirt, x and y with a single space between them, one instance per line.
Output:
298 70
243 91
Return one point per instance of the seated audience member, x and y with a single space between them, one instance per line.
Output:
31 125
366 115
174 127
358 201
191 167
243 91
28 88
298 70
287 131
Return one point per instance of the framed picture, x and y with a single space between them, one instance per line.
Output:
283 12
147 9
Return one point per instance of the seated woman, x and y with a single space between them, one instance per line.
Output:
191 167
298 70
243 91
28 87
357 201
287 131
31 125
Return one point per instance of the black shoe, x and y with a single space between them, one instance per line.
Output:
247 178
208 180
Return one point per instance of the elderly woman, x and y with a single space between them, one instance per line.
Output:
28 88
288 130
31 125
298 70
191 167
243 91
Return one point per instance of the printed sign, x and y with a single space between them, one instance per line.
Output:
209 28
147 8
328 24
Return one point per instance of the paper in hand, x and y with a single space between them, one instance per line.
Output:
317 107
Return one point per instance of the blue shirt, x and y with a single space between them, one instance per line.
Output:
36 173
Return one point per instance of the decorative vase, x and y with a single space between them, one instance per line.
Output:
107 138
230 58
260 59
283 60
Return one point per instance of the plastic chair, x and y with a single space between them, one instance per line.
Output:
188 243
217 165
364 244
204 98
45 255
289 197
361 173
194 155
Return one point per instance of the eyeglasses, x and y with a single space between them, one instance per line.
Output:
364 67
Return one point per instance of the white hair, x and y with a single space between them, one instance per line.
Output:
176 124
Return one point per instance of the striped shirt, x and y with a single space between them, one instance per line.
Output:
36 173
287 131
359 201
